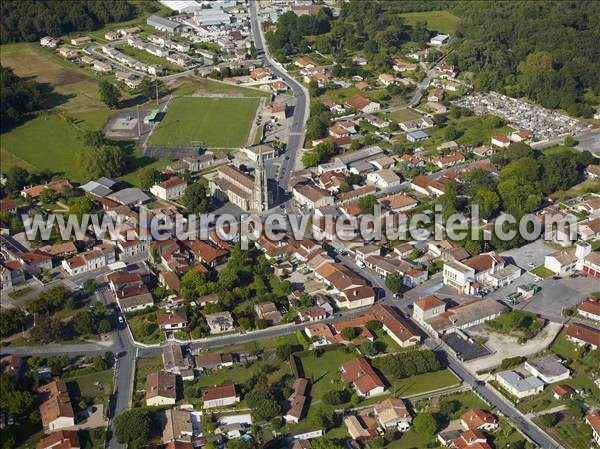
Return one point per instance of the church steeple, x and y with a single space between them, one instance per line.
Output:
261 192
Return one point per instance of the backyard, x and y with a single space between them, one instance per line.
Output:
440 21
208 121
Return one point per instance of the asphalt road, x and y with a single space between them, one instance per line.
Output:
296 139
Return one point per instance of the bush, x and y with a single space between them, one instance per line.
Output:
336 397
512 361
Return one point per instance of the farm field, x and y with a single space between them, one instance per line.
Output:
210 122
441 21
49 142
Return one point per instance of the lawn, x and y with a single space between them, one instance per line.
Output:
144 328
138 162
440 21
422 383
543 272
210 122
145 366
50 142
402 115
95 385
411 440
324 371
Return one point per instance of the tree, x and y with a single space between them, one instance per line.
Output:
313 89
16 179
550 419
20 96
449 407
89 286
148 176
350 333
133 427
79 207
148 88
84 322
12 399
488 202
425 424
109 94
11 321
367 204
322 418
196 199
335 397
104 326
104 161
95 139
394 282
284 351
47 330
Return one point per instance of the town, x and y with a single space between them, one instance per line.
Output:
142 328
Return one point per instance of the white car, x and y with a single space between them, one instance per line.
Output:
121 321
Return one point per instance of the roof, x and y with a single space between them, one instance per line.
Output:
594 422
313 193
63 439
358 102
175 423
171 318
591 306
173 357
55 402
362 375
464 314
130 195
161 384
550 365
429 302
476 418
518 382
218 392
397 201
7 205
562 389
583 333
55 186
483 262
172 182
392 410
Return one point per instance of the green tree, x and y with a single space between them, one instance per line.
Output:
109 94
104 326
80 206
148 176
425 424
350 333
488 203
84 322
133 427
394 282
196 199
367 204
322 418
284 351
89 286
104 161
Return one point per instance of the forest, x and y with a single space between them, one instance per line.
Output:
18 97
29 20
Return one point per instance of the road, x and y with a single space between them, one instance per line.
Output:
301 111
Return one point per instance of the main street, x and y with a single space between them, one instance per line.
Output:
301 110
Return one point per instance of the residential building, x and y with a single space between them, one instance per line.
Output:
393 414
549 368
296 404
384 179
214 361
428 307
439 39
130 291
469 439
590 308
56 410
363 377
33 192
501 141
358 429
176 425
174 361
362 104
519 386
219 322
170 189
63 439
314 313
169 321
268 311
93 259
417 136
562 391
477 419
311 196
594 423
583 335
592 171
11 274
161 388
219 396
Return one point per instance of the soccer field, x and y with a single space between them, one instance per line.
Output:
207 121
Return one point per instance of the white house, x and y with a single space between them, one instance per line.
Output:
219 396
440 39
519 386
170 189
384 179
550 369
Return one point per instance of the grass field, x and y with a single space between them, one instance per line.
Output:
79 89
402 115
202 86
49 142
211 122
441 21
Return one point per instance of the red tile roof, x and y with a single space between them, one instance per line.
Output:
362 375
218 392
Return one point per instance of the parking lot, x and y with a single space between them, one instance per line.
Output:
464 349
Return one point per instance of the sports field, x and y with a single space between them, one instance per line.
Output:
440 21
207 121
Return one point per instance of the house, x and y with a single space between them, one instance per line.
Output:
80 40
594 422
469 439
49 42
314 313
589 229
521 135
400 65
278 111
562 261
268 311
311 196
57 186
435 95
209 362
219 396
444 70
384 179
161 388
501 141
93 259
363 377
171 320
590 308
439 39
111 36
436 108
583 335
592 171
164 25
304 63
362 104
219 322
549 368
590 206
297 402
484 269
466 315
428 307
63 439
176 425
427 186
477 419
101 66
56 410
387 79
393 414
517 385
417 136
170 189
261 73
174 361
484 151
9 206
67 52
383 162
130 291
358 429
449 160
398 202
562 391
12 273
